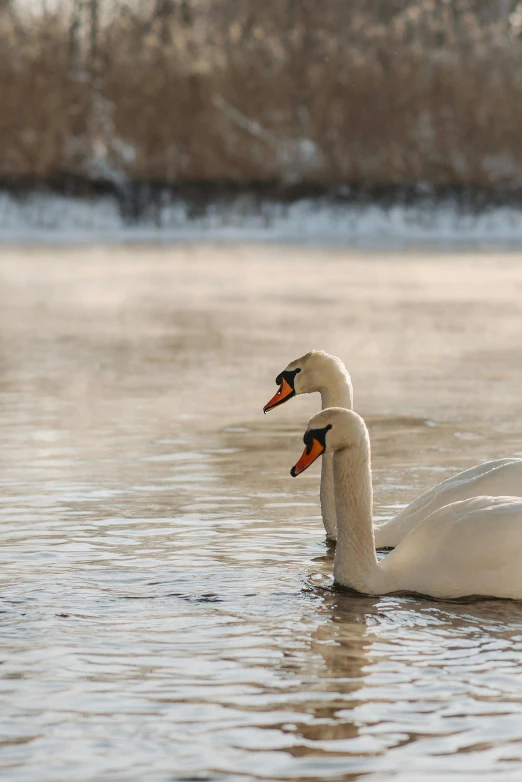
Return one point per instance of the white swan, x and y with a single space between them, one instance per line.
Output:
471 547
319 371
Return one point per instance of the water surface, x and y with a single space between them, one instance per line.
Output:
165 584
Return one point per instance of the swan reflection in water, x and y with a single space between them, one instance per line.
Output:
393 671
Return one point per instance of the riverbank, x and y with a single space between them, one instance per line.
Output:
78 211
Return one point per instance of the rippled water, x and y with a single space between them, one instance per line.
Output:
166 610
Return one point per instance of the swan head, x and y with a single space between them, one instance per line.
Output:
312 372
330 430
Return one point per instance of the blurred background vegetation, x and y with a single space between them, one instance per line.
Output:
262 91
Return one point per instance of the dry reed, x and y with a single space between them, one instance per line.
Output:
288 91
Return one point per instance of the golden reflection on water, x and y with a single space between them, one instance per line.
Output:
166 603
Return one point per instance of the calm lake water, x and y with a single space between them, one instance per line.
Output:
166 602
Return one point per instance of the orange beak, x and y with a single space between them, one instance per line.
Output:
310 454
284 392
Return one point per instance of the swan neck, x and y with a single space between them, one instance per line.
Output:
338 392
355 562
327 496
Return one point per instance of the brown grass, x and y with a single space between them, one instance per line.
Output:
365 91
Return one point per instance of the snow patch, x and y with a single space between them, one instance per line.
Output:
52 218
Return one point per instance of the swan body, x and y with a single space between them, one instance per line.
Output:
469 547
318 371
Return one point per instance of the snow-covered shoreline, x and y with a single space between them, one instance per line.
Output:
51 218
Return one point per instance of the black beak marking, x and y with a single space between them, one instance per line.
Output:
289 376
316 434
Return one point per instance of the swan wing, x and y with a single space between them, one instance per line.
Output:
501 477
471 547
